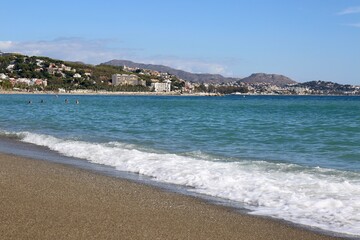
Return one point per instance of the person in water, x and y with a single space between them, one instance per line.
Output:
77 101
66 101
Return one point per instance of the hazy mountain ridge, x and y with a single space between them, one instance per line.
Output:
273 79
192 77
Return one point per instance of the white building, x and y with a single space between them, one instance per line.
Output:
10 67
3 76
24 81
162 87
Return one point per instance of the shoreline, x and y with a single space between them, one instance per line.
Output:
198 94
106 93
42 200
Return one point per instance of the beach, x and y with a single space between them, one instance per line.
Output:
44 200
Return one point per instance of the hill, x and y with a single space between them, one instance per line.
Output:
273 79
192 77
25 72
324 87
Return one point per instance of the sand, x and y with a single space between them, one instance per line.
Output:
43 200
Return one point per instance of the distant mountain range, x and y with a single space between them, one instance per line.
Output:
273 79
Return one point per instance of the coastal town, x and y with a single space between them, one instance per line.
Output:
41 74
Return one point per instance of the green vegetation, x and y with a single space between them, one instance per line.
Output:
176 84
231 89
201 88
6 85
62 74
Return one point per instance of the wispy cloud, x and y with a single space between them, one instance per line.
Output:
72 49
102 50
5 45
350 10
356 25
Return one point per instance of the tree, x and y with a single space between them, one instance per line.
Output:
176 84
6 85
201 88
211 89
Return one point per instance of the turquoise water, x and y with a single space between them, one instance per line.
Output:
296 158
310 131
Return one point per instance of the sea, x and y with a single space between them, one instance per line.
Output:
295 158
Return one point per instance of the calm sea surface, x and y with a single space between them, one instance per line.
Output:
295 158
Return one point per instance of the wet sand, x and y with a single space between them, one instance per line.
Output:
43 200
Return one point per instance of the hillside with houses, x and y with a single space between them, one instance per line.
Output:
24 73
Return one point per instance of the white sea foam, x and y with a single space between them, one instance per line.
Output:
317 197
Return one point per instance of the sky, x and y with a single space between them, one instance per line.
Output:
305 40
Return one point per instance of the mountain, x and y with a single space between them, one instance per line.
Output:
273 79
4 54
192 77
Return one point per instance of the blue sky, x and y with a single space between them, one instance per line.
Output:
304 40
